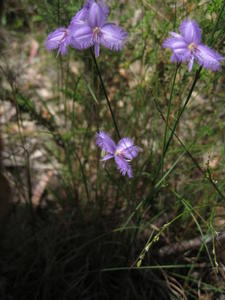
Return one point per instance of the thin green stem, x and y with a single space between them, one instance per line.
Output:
206 174
83 176
176 122
105 94
153 240
211 41
168 114
197 75
58 12
23 142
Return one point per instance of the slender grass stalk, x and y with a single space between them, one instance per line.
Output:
105 94
65 89
206 286
197 75
58 12
211 41
23 143
29 183
160 182
213 232
83 176
96 113
153 267
76 84
168 114
206 174
154 239
190 210
156 188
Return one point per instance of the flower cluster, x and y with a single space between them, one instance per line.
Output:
122 153
89 27
188 46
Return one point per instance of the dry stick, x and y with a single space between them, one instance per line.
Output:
207 175
105 94
190 244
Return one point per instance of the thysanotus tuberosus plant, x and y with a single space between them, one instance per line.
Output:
125 197
88 28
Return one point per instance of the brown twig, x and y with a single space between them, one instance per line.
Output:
190 244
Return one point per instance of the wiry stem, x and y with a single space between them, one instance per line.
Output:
105 94
211 41
197 75
207 173
168 113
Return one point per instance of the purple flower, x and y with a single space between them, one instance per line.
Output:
122 153
187 46
94 30
83 13
61 38
58 39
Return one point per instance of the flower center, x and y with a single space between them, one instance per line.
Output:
96 31
192 47
64 36
119 153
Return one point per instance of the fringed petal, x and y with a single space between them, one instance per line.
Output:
123 166
175 43
55 38
103 5
191 32
104 141
208 58
179 47
190 63
126 148
96 17
113 37
81 36
107 157
97 49
80 16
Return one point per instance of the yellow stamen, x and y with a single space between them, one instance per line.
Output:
192 47
96 30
